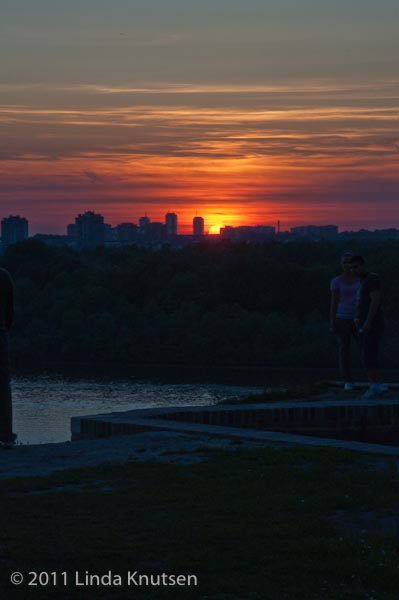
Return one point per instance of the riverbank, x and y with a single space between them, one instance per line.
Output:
240 375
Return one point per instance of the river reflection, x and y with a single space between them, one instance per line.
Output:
44 405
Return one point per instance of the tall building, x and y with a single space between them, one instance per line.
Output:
14 229
198 227
171 225
156 232
90 230
71 231
144 225
110 234
126 233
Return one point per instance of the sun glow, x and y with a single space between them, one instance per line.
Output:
215 229
239 163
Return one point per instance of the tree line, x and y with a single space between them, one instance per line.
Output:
219 304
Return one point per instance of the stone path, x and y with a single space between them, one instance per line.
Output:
168 447
179 447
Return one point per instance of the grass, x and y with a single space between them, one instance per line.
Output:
251 524
297 392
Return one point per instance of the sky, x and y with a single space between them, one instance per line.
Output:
243 112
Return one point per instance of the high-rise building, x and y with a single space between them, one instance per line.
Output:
14 229
110 234
156 232
171 225
90 230
144 224
198 227
227 232
71 231
126 233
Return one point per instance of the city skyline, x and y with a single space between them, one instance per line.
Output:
246 113
16 228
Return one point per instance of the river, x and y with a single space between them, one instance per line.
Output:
43 405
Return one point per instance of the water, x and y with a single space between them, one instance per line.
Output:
44 405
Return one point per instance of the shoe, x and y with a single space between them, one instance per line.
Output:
349 387
374 391
382 388
9 443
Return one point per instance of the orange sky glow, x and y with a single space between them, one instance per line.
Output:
244 113
314 160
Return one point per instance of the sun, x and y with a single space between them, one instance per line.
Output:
215 229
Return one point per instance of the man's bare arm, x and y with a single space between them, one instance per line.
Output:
374 305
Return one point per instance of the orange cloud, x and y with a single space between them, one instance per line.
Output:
289 154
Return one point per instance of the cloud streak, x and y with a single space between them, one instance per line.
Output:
279 149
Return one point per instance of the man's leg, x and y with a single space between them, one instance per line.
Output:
371 362
370 349
344 333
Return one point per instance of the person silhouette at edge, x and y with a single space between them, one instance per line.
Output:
7 437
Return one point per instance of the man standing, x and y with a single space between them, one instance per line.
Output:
369 321
6 318
344 290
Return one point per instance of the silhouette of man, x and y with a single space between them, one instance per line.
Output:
6 318
369 320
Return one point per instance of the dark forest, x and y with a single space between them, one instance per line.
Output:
260 305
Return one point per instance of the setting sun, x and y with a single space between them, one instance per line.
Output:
215 229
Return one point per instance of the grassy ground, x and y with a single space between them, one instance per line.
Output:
311 391
252 525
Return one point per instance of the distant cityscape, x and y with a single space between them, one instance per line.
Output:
90 230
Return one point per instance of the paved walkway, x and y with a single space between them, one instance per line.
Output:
168 447
186 446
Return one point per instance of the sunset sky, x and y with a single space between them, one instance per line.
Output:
243 112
